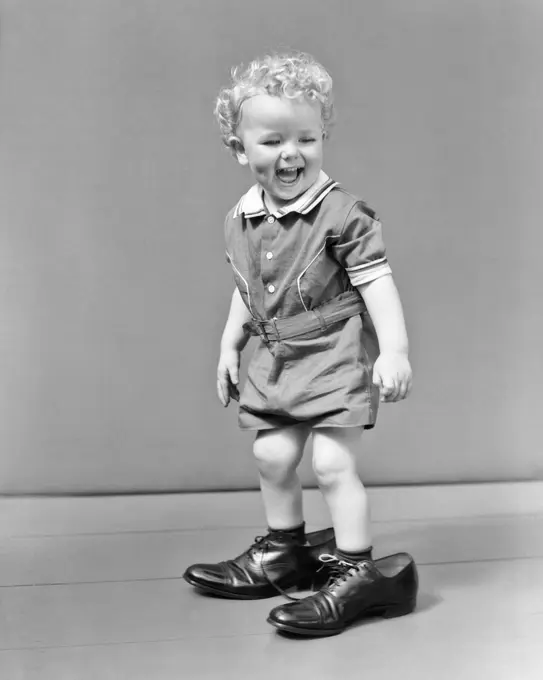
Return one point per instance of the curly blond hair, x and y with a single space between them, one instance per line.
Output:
291 75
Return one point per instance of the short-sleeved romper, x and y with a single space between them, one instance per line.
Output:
293 260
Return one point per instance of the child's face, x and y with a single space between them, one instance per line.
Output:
282 145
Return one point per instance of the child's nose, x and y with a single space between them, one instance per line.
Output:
289 150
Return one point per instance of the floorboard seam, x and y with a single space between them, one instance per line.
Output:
258 527
65 584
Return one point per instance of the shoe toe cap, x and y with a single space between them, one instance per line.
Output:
207 574
281 615
293 614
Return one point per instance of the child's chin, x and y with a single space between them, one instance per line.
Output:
291 191
287 196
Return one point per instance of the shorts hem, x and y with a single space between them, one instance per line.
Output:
256 423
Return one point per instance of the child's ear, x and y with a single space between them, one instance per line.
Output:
239 150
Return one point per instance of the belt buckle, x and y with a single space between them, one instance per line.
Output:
261 331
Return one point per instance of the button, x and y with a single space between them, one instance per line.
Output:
271 219
271 288
269 255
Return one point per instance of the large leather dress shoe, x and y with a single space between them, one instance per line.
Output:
387 587
274 563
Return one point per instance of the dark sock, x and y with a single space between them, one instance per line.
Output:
354 556
298 533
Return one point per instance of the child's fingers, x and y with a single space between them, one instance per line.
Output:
390 393
222 385
234 392
234 375
223 398
231 373
405 386
383 386
394 386
389 390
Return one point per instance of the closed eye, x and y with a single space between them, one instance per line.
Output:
271 142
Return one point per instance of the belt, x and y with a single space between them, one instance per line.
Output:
339 308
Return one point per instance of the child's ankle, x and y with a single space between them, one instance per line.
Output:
297 532
354 556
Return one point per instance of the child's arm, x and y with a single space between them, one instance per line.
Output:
392 371
234 339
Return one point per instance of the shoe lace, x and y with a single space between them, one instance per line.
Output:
259 544
338 570
262 543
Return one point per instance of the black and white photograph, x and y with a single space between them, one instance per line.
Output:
270 339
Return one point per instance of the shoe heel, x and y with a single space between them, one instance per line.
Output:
402 609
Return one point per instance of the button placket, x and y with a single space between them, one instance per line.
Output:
268 269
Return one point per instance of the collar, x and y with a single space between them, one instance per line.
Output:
252 203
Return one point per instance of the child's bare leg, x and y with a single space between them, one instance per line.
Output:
334 462
278 453
283 558
356 586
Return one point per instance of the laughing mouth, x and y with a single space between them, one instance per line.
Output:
289 175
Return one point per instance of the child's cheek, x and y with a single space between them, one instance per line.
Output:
262 167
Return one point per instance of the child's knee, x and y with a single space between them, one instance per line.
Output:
275 459
333 461
328 467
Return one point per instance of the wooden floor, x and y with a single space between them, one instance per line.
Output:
90 589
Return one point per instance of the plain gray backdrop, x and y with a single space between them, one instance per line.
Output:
114 185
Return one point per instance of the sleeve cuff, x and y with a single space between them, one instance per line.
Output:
359 276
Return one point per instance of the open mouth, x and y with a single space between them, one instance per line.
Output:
289 175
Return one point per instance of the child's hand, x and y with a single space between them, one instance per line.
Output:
392 374
228 376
